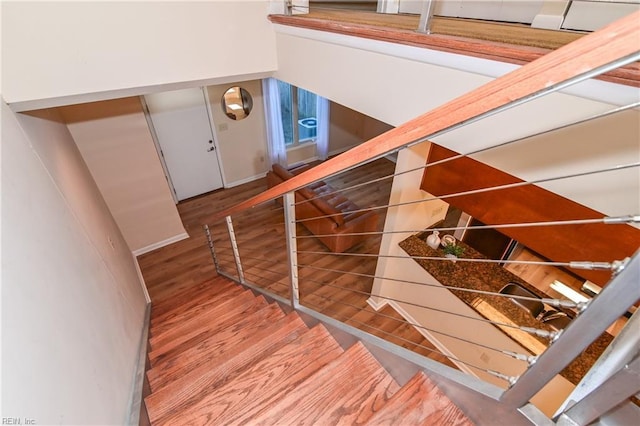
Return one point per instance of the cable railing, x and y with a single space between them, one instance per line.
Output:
464 309
265 266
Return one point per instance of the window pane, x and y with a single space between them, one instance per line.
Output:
285 110
307 123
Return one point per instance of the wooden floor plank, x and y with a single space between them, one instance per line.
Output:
183 300
211 320
266 381
345 392
197 305
419 402
202 380
209 345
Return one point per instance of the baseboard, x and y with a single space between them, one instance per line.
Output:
427 335
245 180
159 244
136 404
304 161
377 305
141 278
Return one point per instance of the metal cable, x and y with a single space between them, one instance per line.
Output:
248 247
480 191
572 264
222 253
258 277
243 257
478 151
608 220
226 262
452 358
555 302
250 267
257 210
269 216
263 204
228 266
222 237
416 305
404 321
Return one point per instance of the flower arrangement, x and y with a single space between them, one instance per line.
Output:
453 249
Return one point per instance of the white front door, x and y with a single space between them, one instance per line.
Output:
182 126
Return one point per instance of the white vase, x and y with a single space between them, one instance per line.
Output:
433 240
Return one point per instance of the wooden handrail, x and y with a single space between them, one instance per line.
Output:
613 42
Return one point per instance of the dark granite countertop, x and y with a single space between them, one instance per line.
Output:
492 277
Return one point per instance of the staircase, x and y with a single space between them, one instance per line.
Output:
221 355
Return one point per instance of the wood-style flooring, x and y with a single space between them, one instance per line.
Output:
335 285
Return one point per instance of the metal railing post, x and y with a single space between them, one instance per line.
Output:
234 247
602 311
624 347
426 15
608 395
288 200
211 248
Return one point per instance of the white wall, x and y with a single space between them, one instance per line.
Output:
606 142
498 10
594 14
89 51
72 303
243 143
115 142
395 83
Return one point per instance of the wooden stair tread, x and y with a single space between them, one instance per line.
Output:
199 291
239 400
183 279
172 349
347 391
195 267
209 345
198 382
420 402
200 333
206 318
195 307
186 290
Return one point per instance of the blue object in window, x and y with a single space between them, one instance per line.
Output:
307 128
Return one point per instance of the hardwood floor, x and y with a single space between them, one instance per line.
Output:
334 285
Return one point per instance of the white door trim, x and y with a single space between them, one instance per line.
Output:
212 124
185 182
154 136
